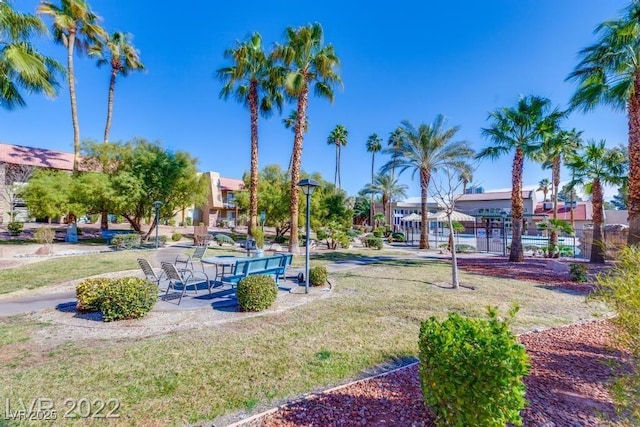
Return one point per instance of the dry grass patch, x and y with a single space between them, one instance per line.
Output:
372 318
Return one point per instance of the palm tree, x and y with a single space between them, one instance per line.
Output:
250 80
520 129
554 226
593 167
21 66
609 74
544 185
465 177
289 122
338 137
117 51
374 145
308 62
425 150
75 26
387 187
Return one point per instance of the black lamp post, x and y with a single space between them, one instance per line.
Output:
308 186
503 214
156 206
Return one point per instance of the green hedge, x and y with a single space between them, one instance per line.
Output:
471 371
318 275
117 299
257 292
176 237
15 228
374 242
126 241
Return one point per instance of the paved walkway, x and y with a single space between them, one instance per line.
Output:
221 297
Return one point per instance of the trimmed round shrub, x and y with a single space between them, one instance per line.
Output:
89 294
374 242
127 241
222 239
399 237
15 228
318 275
127 298
321 234
256 292
176 237
280 239
471 371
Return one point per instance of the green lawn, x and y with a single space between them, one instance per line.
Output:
372 318
62 269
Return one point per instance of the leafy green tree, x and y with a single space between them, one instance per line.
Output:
609 74
117 51
47 194
621 199
338 137
75 26
520 129
425 150
308 63
21 65
374 145
252 81
594 166
148 173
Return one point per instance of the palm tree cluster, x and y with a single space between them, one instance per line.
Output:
76 27
288 72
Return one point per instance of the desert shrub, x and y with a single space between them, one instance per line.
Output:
374 242
258 234
222 239
578 272
321 234
89 294
465 249
398 237
318 275
379 232
126 241
15 228
127 298
342 239
471 371
256 292
620 290
45 235
188 221
280 239
353 233
171 222
176 237
565 251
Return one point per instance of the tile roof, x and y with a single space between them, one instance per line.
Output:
39 157
582 212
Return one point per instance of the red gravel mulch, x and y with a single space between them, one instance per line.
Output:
566 387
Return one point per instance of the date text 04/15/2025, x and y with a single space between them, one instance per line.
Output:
44 408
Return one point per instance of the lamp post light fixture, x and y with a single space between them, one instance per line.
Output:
156 206
308 186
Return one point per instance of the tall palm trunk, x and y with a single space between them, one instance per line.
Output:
597 247
253 180
74 106
516 254
424 229
371 208
335 173
634 164
112 86
555 178
303 98
339 154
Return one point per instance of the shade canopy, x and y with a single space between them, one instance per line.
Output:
455 216
412 217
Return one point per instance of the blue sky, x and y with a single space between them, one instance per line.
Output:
406 60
